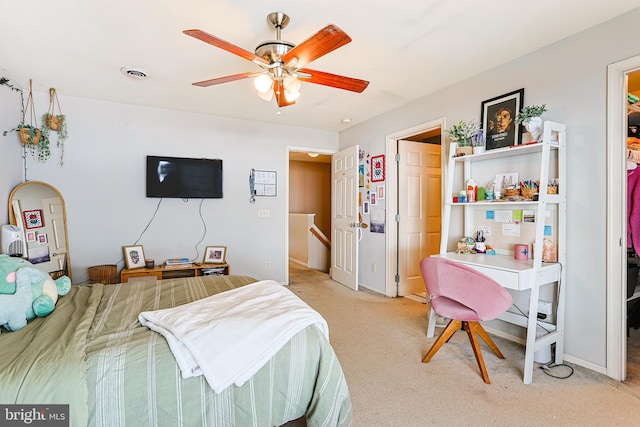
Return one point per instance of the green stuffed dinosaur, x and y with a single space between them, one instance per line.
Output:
26 292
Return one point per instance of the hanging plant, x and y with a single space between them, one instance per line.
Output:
55 122
5 82
30 134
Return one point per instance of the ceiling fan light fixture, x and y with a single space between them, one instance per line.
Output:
291 96
263 83
267 96
292 84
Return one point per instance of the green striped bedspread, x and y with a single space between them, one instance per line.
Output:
93 354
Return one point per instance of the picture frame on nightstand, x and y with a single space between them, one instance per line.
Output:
215 255
133 256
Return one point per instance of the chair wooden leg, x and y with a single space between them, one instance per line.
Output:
471 332
451 328
486 338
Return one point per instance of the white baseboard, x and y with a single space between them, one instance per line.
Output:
565 356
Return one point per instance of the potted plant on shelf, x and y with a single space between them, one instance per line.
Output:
462 132
478 142
530 116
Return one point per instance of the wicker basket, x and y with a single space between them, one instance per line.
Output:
552 189
106 274
509 192
528 192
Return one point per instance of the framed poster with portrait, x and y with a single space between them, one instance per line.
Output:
498 116
133 256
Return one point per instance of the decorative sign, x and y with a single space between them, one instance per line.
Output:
377 168
33 218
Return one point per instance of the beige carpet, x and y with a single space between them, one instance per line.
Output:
381 341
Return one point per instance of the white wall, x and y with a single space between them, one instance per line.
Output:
103 182
570 77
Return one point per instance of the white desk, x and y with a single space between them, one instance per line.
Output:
520 276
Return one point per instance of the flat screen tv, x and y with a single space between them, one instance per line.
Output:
184 178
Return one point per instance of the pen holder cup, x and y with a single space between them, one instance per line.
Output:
528 193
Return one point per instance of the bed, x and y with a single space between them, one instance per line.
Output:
93 354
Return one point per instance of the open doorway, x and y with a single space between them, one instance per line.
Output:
620 81
414 204
633 253
309 212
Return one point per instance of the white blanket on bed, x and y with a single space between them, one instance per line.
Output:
229 336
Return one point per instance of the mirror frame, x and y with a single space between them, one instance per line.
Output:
14 221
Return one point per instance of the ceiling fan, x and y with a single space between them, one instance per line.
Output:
283 63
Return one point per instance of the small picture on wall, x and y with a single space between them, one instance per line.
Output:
361 176
374 198
377 168
42 238
31 236
380 192
365 208
33 218
377 221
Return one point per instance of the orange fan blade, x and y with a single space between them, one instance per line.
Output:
278 90
333 80
324 41
222 44
225 79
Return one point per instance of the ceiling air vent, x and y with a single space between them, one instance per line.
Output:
135 73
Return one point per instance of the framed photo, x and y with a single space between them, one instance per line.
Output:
31 236
42 238
498 116
377 168
365 208
360 175
133 256
33 218
380 192
215 254
373 198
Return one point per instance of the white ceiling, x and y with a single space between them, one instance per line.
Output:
407 49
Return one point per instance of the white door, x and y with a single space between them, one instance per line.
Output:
54 223
419 199
344 217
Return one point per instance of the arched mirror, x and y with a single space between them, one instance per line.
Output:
38 209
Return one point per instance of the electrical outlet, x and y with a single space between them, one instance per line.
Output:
267 265
544 307
264 213
373 267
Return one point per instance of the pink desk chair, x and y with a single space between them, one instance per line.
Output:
467 297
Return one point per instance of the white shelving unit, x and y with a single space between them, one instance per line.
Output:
514 274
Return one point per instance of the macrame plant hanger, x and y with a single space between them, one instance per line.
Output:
29 133
54 121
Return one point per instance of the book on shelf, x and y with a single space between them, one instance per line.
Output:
177 266
177 262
